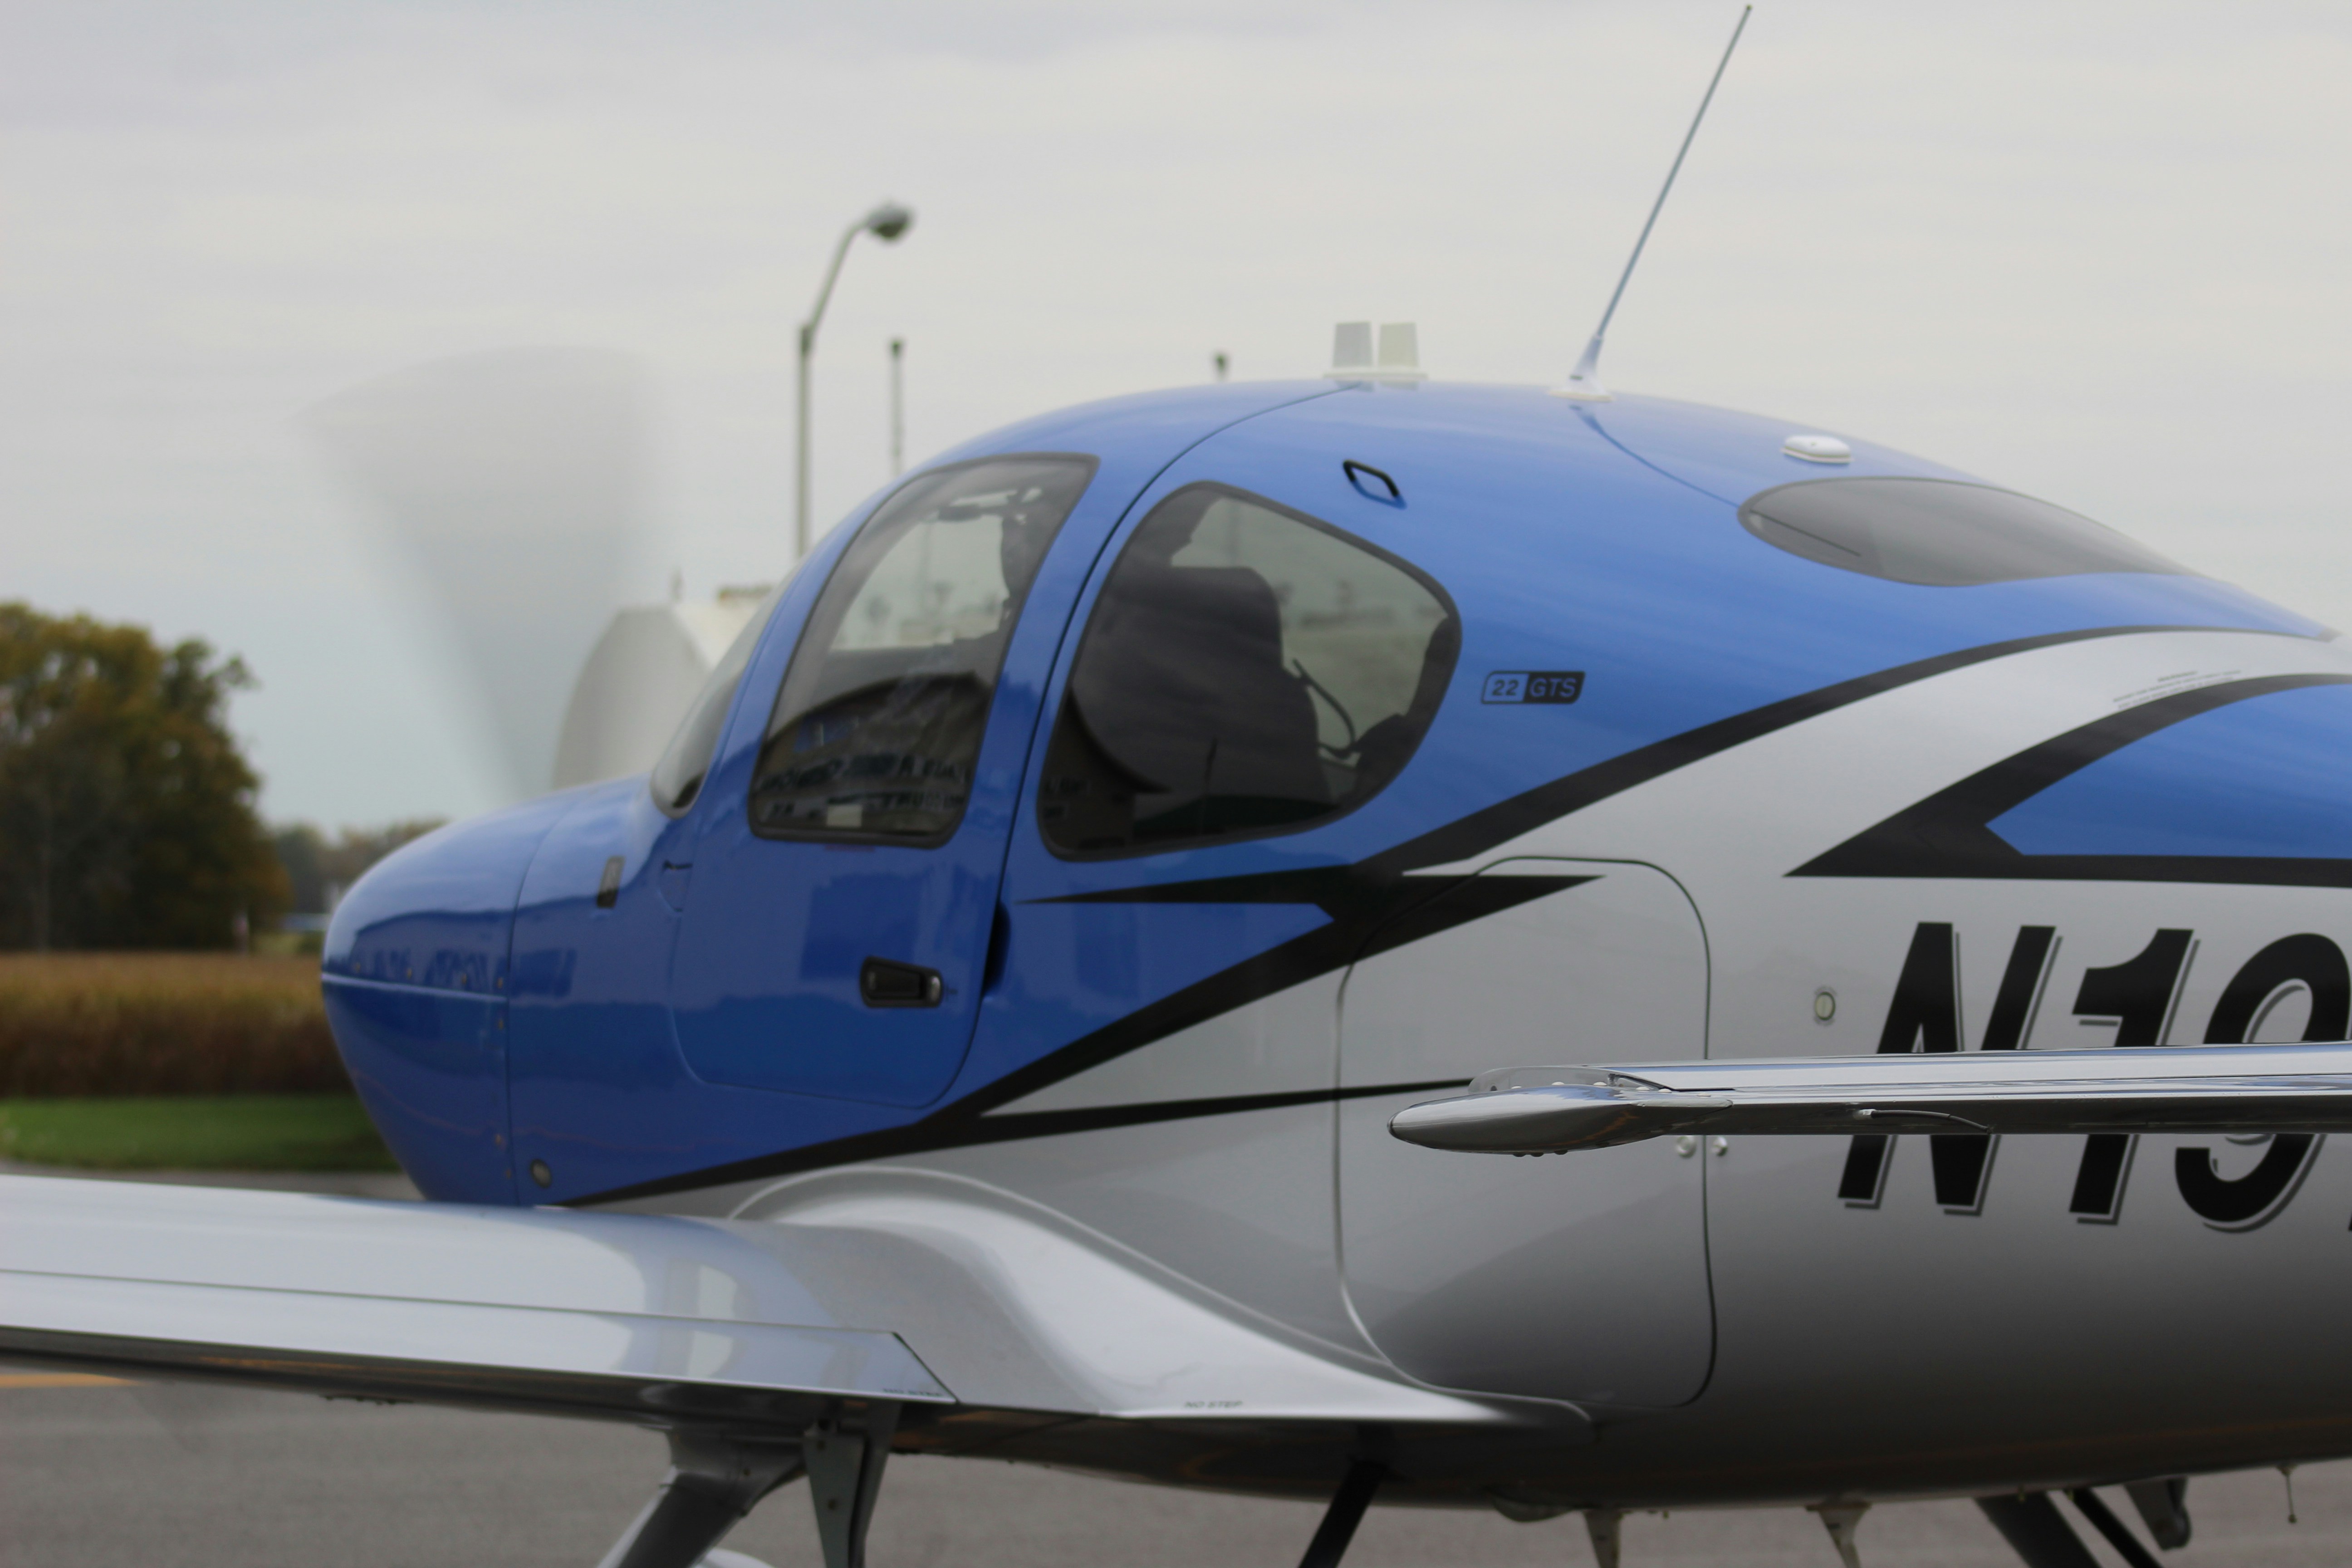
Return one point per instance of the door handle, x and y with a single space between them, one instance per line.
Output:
885 982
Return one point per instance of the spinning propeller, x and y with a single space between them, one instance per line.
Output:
514 483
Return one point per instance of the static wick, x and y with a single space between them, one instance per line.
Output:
1584 382
2286 1473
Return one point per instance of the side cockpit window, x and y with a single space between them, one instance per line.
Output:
677 778
1939 533
877 730
1246 671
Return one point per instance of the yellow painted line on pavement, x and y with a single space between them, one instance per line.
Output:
58 1380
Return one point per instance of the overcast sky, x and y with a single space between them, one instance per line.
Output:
2098 252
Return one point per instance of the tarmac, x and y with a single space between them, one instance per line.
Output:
96 1474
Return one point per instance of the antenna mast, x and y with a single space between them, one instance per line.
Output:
1584 384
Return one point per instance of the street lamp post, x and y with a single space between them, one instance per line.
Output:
886 223
897 406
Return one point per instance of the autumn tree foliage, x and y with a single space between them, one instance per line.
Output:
319 869
126 810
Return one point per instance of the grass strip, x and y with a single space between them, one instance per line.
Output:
194 1132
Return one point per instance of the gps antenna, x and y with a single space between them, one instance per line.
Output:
1583 383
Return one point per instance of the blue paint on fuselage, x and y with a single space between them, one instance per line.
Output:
2264 777
1602 539
415 970
437 912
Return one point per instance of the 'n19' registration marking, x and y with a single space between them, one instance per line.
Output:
1533 686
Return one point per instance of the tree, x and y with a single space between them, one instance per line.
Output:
126 808
319 869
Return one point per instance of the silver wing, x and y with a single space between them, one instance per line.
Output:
866 1311
2162 1088
912 1288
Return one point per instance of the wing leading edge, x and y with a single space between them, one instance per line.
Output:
2161 1089
913 1293
576 1314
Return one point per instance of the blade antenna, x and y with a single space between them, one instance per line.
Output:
1582 382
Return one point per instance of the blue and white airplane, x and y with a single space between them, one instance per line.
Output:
1058 998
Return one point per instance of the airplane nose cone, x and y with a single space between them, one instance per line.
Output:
415 976
437 913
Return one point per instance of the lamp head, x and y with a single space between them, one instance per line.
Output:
889 220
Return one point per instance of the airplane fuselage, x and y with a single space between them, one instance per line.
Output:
1114 826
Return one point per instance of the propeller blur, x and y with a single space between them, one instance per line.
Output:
511 484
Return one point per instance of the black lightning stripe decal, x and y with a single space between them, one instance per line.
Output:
1374 905
1949 834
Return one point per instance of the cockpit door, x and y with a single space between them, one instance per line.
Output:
836 928
1581 1276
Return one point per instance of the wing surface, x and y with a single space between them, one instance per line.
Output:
2157 1089
921 1293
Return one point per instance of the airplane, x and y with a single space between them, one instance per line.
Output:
1468 946
1053 1000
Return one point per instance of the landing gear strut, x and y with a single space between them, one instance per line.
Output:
711 1484
2040 1534
714 1481
1347 1511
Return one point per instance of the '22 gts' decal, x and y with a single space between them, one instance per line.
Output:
1534 687
2139 994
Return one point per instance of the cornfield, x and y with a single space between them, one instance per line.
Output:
92 1024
